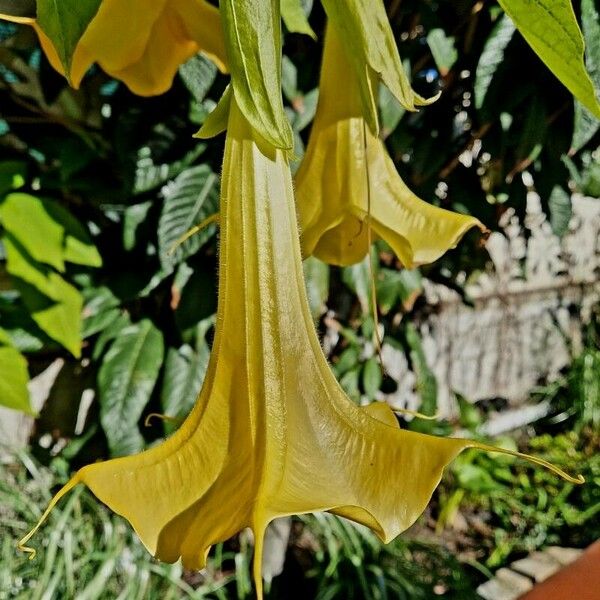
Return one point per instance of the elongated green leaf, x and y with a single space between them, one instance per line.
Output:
198 75
551 29
216 122
185 368
125 382
372 377
316 278
426 381
13 377
78 247
149 175
443 50
54 304
28 220
295 18
560 207
188 200
253 41
64 22
365 30
393 286
492 57
586 124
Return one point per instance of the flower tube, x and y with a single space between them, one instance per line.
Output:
347 183
272 432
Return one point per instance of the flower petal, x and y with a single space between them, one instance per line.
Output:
347 179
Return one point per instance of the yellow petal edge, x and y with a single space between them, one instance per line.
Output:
348 181
142 42
272 433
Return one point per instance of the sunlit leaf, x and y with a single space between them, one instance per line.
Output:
64 22
253 40
13 377
126 380
551 29
188 200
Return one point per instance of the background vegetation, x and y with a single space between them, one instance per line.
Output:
109 181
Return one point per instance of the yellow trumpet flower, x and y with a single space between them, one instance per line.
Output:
272 433
347 183
141 42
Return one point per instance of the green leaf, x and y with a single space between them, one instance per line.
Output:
149 175
135 215
426 381
126 380
492 57
12 174
586 124
560 207
306 107
289 79
29 221
393 286
371 377
216 121
13 377
551 29
443 50
364 29
188 200
64 22
185 368
295 18
54 304
316 277
198 75
78 247
390 111
253 42
358 278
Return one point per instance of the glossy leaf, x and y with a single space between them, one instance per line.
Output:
13 377
551 29
586 124
443 50
64 22
253 40
28 220
54 304
126 380
295 18
187 201
492 57
198 75
185 369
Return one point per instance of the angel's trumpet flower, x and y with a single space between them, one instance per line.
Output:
141 42
348 189
272 432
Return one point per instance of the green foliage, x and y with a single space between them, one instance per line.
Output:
526 509
64 23
550 27
126 380
13 376
257 92
586 123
